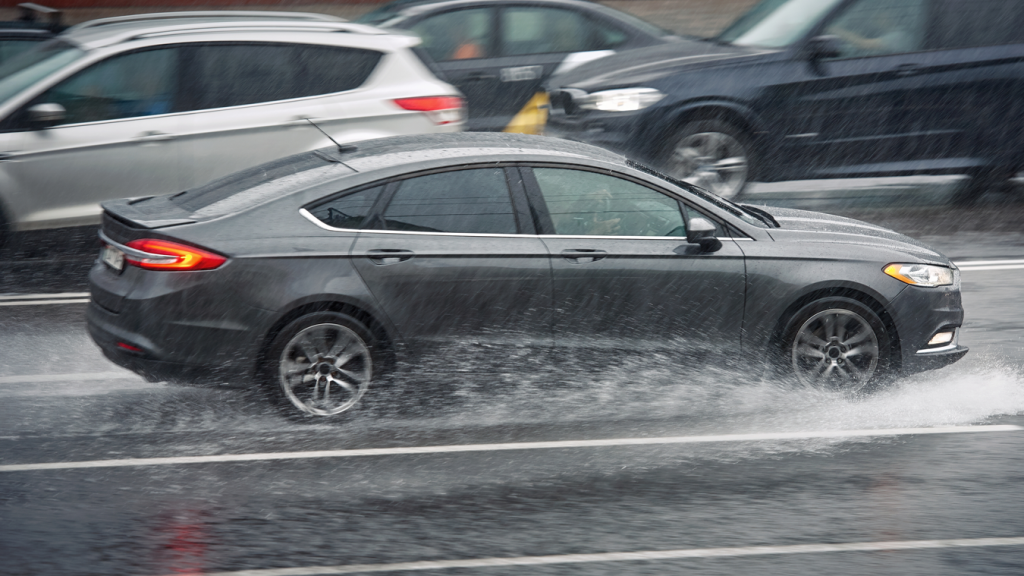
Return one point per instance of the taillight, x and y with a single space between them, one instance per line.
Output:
165 255
440 109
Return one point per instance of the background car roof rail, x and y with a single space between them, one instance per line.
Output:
225 14
278 26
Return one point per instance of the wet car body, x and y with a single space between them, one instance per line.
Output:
807 109
502 79
420 293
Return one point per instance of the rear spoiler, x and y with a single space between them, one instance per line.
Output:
147 212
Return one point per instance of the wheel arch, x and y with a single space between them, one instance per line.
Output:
728 111
855 293
377 326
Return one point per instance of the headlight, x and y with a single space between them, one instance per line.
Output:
623 100
920 274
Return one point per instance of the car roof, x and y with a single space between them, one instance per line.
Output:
110 31
468 146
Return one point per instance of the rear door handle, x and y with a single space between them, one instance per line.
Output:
154 136
583 255
479 76
908 69
385 256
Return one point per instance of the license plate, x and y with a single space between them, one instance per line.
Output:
112 257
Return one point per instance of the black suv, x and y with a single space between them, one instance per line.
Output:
816 89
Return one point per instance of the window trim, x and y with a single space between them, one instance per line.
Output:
547 228
391 184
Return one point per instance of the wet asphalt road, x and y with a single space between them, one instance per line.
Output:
60 401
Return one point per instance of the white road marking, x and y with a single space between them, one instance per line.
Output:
647 556
972 263
610 442
43 302
44 296
1003 267
33 378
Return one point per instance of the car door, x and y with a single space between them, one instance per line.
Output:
117 139
624 275
853 112
250 102
462 43
970 88
453 261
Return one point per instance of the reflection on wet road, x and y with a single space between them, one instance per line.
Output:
620 476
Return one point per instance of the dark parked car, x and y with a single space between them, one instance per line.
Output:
498 52
312 274
816 89
36 24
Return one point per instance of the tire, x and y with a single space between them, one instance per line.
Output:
982 182
836 344
712 154
321 364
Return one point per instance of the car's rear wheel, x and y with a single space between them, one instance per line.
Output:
837 344
321 364
712 154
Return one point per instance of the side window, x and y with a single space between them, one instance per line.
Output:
457 35
238 74
326 69
349 211
590 204
124 86
464 201
538 30
880 27
978 23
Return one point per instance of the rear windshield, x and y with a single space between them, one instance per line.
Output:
255 186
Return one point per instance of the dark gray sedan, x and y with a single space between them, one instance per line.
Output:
312 275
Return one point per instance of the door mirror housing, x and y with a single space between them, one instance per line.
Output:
821 47
702 231
46 115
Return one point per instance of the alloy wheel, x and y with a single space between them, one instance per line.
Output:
325 369
715 161
835 349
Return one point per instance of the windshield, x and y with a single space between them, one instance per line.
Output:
24 70
776 23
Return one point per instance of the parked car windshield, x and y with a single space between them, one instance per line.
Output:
30 67
776 23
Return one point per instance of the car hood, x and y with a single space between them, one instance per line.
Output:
633 67
806 226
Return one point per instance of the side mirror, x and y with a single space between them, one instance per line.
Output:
823 47
46 115
702 231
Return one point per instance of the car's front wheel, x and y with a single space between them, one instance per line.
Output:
321 364
837 344
712 154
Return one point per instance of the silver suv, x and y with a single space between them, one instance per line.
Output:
153 104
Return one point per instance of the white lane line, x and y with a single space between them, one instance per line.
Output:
970 263
43 302
1004 267
44 296
648 556
32 378
610 442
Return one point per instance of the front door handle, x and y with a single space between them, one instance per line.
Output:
154 136
385 256
583 255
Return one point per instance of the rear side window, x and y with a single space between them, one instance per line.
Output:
349 211
540 30
977 23
226 75
464 201
457 34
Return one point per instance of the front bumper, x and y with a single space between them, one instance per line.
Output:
919 313
617 132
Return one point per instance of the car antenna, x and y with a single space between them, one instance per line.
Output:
343 148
